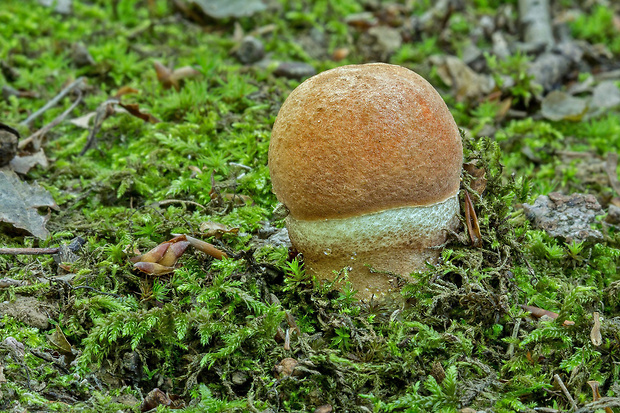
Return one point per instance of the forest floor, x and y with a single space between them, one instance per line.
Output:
139 120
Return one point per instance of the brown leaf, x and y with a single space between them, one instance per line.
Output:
134 109
207 248
473 228
173 253
163 75
155 398
172 78
479 176
153 268
154 255
539 312
595 334
285 368
59 340
125 90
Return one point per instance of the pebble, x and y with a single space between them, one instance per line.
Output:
250 50
295 70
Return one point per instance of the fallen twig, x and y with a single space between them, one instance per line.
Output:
79 82
29 251
104 110
46 128
560 383
9 282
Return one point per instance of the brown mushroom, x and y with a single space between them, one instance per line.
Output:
367 159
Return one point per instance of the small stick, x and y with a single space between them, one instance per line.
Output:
54 101
29 251
515 333
560 383
50 125
177 201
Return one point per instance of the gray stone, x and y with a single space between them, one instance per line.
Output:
566 216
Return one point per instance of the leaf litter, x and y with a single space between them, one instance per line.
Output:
221 328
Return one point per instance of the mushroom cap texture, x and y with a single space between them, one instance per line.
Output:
360 139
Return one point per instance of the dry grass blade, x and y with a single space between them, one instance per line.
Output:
471 219
595 335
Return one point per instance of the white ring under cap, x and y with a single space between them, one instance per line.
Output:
421 224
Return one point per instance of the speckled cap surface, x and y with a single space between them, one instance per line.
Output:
361 139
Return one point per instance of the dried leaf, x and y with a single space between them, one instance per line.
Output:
473 227
19 203
207 248
84 120
479 181
595 334
539 312
59 340
173 253
134 109
215 229
125 90
154 255
171 78
23 164
153 399
562 106
153 268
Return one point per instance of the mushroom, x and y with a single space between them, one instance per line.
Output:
367 159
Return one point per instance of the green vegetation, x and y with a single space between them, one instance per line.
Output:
214 332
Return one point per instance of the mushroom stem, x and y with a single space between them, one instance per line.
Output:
398 241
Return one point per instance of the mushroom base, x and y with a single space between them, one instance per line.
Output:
379 249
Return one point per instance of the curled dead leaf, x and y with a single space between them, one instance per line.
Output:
285 368
537 312
134 110
595 334
478 175
172 78
473 227
206 248
173 253
153 268
153 255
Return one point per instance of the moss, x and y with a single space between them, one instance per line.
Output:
213 331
